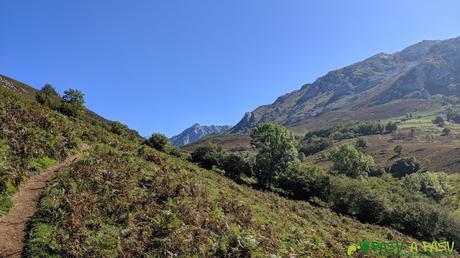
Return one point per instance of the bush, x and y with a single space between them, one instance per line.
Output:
73 102
49 90
303 181
433 185
123 130
404 166
391 127
49 97
177 152
362 144
351 130
314 145
398 150
235 166
446 131
208 156
358 199
350 161
158 141
385 201
454 116
439 120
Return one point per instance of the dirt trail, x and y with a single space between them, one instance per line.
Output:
25 203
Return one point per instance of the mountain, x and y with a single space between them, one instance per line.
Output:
196 132
379 87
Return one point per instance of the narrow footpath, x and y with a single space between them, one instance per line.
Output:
25 203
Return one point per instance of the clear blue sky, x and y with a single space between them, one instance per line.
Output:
160 66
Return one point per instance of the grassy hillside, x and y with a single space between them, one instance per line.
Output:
34 137
117 203
419 137
125 199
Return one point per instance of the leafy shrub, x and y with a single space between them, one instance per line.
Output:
404 166
398 150
454 116
446 131
357 198
73 102
314 145
158 141
178 152
49 97
391 127
439 120
385 201
362 143
208 155
4 152
352 130
433 185
235 166
49 90
303 181
350 161
123 130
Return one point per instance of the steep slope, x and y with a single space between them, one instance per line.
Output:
34 137
117 203
379 87
197 132
25 204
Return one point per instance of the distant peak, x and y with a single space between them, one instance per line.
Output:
196 132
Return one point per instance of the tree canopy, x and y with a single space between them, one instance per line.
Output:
276 150
350 161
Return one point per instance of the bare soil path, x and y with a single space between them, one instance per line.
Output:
25 203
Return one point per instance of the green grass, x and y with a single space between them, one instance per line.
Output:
5 204
34 137
40 164
116 203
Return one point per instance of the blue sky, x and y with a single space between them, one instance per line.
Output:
161 66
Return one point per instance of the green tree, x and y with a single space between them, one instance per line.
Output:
446 131
434 185
73 102
362 143
49 90
391 127
158 141
350 161
235 166
439 120
208 155
303 181
276 151
398 150
404 166
48 96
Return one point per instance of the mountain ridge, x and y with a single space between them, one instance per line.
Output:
417 73
196 132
